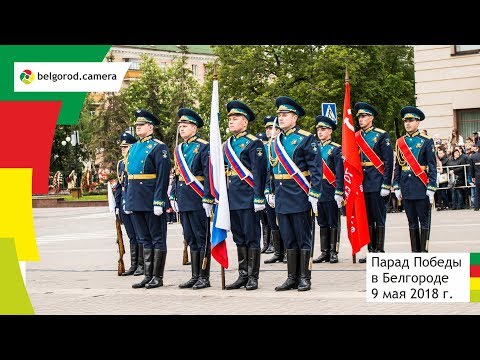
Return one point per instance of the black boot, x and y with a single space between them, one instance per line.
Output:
159 258
195 263
291 282
242 269
324 242
371 245
265 231
285 260
424 235
415 240
140 265
133 260
305 274
278 246
253 269
334 244
204 278
380 236
148 268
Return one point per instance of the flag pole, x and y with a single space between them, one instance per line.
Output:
222 269
347 80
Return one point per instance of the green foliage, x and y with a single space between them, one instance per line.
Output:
381 75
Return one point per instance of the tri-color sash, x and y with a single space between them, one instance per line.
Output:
291 168
190 179
412 160
327 172
237 165
367 150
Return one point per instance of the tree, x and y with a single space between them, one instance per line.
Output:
313 74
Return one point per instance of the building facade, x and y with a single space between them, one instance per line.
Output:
447 86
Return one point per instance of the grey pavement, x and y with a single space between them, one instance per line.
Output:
77 272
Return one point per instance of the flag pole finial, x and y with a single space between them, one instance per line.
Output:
215 77
346 74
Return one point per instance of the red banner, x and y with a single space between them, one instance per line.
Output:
357 225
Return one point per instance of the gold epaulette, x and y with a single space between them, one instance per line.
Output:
334 144
252 137
379 130
303 132
158 141
201 141
425 136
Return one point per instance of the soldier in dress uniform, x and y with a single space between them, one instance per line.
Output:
136 250
376 157
246 172
148 167
190 195
266 228
279 250
415 179
330 202
297 169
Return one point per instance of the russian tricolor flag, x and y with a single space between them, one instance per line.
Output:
218 185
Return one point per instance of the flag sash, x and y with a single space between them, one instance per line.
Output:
412 160
291 168
190 179
328 173
237 165
367 150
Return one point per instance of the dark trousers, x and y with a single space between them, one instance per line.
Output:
417 211
194 225
477 195
245 226
272 217
328 213
296 230
376 209
151 229
442 197
129 228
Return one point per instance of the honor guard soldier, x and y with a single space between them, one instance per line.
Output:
190 195
136 250
246 172
376 157
266 228
297 170
330 202
276 239
415 180
148 167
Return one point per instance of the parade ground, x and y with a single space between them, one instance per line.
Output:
77 272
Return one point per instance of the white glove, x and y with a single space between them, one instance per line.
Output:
259 207
117 211
174 205
314 202
431 195
398 194
127 212
384 192
339 200
158 210
271 200
208 209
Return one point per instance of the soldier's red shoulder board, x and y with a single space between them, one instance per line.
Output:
303 132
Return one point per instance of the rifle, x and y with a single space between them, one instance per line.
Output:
121 247
310 264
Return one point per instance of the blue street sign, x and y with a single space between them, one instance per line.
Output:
329 110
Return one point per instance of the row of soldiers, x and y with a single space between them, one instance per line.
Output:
290 176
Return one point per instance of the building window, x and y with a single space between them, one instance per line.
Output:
466 49
135 63
195 70
468 122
